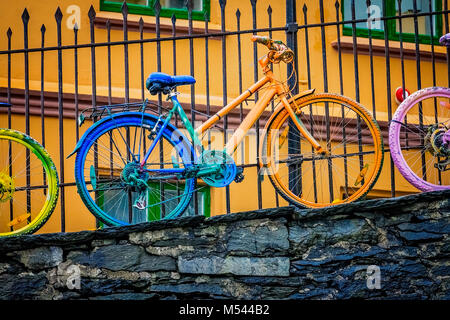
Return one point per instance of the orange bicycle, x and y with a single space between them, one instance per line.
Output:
318 149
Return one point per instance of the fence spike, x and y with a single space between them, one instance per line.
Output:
222 3
173 19
141 24
91 13
305 8
269 10
124 8
43 28
58 15
238 13
25 16
157 7
189 4
253 2
337 4
9 32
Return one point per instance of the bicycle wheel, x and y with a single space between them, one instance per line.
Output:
416 139
342 127
28 184
107 178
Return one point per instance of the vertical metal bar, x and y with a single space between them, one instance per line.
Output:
308 72
433 66
124 10
356 68
208 101
239 61
58 17
91 15
223 4
25 20
75 55
372 73
111 142
402 62
44 179
174 44
190 6
42 89
255 78
341 86
327 111
238 29
419 80
8 93
388 88
141 52
174 54
269 15
157 8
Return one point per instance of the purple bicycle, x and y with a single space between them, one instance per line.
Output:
419 137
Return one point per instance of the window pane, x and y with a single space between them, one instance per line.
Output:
179 4
423 23
190 211
119 209
363 12
141 2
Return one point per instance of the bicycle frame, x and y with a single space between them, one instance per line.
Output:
275 89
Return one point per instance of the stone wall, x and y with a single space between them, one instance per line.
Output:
393 248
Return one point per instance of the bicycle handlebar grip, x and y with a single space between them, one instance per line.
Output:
260 39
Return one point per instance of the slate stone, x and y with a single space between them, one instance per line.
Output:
123 257
40 258
249 266
267 237
22 286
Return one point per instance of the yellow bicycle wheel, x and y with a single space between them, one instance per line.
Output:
349 134
28 184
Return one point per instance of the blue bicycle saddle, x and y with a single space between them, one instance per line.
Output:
162 82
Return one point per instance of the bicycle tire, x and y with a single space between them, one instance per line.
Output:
127 120
278 119
49 167
395 131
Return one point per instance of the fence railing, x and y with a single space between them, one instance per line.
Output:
334 53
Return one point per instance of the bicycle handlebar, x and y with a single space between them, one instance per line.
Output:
278 50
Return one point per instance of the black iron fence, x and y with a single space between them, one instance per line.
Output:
338 46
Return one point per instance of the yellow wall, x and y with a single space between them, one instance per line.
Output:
244 195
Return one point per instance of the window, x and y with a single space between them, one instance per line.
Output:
119 210
168 8
426 27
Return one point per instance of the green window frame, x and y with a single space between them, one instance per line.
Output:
148 10
390 11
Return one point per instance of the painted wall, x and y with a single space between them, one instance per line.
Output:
244 195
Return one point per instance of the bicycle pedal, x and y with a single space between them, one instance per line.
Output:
19 219
239 175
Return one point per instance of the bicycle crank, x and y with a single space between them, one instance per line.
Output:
221 166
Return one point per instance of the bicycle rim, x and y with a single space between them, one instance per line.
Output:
343 128
29 183
107 159
415 139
